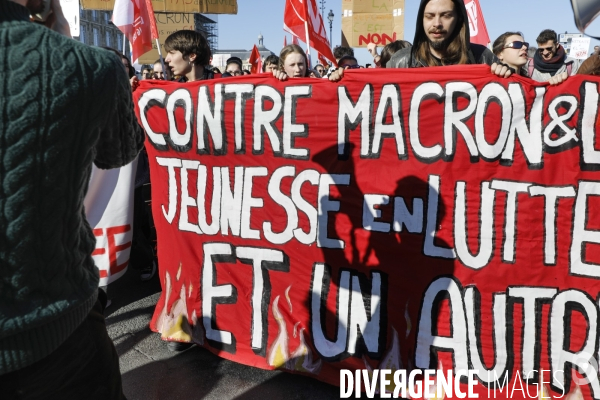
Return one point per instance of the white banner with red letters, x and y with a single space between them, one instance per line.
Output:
109 210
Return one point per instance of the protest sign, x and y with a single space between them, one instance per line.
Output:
580 48
174 6
109 211
394 220
166 24
71 12
377 21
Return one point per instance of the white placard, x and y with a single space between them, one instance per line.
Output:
580 48
109 211
71 12
220 60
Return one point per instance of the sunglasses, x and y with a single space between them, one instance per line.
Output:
543 49
517 44
353 66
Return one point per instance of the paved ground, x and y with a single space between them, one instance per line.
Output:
151 372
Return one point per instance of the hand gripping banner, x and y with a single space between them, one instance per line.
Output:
395 220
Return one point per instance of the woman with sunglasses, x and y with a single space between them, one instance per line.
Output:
511 50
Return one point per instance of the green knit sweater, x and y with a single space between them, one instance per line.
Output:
63 105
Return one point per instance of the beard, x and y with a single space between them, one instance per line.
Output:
437 45
36 6
440 45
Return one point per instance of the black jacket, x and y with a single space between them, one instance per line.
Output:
407 58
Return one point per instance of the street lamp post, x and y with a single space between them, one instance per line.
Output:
322 8
330 18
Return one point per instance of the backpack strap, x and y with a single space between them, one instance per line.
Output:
569 68
530 67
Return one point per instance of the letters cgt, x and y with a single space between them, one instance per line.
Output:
396 220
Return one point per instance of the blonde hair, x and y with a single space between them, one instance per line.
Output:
290 49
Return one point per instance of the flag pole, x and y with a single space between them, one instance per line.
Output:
124 43
162 60
307 43
154 33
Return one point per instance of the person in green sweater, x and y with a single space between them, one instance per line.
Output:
63 105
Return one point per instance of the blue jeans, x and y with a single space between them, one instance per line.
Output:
85 366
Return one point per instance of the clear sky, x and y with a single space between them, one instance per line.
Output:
266 16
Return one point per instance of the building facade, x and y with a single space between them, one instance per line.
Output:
244 55
97 29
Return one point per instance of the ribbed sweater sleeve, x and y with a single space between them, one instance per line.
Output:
121 137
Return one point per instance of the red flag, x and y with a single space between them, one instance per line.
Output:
302 14
479 33
322 59
131 17
295 40
284 40
255 61
153 28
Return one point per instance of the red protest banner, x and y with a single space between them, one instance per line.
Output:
394 220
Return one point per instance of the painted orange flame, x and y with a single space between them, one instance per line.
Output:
575 394
287 297
174 325
391 360
160 321
302 358
278 355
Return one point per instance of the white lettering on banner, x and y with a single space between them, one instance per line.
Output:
232 204
358 324
562 305
429 342
232 208
231 200
360 328
368 115
242 93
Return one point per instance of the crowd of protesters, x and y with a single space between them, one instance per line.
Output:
442 38
48 279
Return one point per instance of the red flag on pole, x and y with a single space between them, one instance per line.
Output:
255 61
153 28
131 17
284 40
301 16
479 33
322 59
295 40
